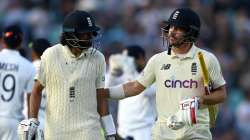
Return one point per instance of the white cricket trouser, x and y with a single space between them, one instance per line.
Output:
197 132
139 134
8 128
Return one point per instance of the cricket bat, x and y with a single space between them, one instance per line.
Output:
213 109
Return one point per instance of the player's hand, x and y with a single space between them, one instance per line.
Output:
186 115
111 137
116 64
27 129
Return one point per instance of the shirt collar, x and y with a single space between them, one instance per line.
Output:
68 53
189 54
10 51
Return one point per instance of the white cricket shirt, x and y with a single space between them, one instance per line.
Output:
179 78
16 79
70 84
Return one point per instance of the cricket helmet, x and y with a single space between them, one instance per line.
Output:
79 22
187 19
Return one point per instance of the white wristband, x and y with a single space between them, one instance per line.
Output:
108 125
117 92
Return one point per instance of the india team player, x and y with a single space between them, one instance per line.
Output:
180 95
137 114
16 80
72 74
38 46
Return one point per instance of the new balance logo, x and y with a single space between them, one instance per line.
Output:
89 22
165 66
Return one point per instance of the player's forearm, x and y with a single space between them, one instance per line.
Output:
35 100
102 103
217 96
124 90
28 102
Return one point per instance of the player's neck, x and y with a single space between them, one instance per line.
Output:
76 51
34 56
183 49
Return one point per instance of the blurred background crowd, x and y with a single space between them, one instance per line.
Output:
225 31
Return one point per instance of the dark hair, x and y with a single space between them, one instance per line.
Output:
40 45
135 51
12 36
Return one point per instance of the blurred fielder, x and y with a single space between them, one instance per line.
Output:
136 115
16 79
181 103
72 74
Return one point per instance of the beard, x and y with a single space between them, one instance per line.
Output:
177 41
84 44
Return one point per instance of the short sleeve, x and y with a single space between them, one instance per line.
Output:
41 71
147 76
101 70
215 73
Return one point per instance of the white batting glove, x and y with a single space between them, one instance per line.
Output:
27 129
186 115
108 126
116 64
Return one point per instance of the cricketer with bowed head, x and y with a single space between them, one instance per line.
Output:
73 75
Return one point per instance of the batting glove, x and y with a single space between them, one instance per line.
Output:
186 115
27 129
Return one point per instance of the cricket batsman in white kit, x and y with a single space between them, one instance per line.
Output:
181 100
72 74
16 79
